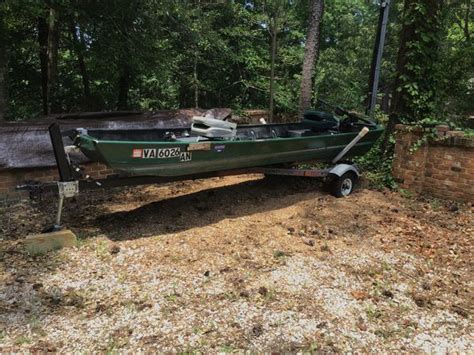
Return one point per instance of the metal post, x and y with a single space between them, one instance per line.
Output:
57 224
64 168
66 186
352 143
377 56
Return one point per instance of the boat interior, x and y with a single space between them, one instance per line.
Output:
314 123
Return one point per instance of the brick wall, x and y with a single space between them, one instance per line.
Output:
441 168
11 178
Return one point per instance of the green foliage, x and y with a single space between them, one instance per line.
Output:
456 64
406 193
348 34
469 132
377 163
216 54
377 166
435 81
418 79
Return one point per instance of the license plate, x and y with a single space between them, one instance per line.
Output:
152 153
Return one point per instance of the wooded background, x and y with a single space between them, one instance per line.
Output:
90 55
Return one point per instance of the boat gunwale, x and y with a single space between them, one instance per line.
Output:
100 141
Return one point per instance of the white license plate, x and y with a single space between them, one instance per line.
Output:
153 153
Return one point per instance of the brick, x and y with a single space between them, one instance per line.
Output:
445 170
7 177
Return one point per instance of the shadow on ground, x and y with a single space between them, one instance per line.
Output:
201 208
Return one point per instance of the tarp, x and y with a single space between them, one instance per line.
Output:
27 144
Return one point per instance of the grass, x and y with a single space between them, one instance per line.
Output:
269 295
313 348
279 254
172 297
386 266
373 313
406 193
469 132
22 339
101 249
231 296
112 346
325 247
38 251
435 204
35 326
403 308
82 241
385 333
226 348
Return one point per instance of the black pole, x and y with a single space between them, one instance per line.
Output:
377 56
64 168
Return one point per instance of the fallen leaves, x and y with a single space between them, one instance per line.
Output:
359 294
205 273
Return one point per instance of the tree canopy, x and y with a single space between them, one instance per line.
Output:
76 55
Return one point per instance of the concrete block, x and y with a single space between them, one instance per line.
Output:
37 244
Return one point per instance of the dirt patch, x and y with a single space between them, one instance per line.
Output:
241 263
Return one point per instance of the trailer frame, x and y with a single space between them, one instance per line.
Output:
71 183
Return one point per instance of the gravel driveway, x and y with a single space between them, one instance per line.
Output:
241 263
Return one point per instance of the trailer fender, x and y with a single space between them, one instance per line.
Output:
341 169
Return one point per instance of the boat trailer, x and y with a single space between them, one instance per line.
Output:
341 176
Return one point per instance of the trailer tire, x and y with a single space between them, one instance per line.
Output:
342 186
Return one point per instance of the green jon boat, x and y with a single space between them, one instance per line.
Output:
211 145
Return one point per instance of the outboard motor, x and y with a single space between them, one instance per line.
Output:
212 128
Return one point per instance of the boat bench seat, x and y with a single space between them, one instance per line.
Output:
194 139
300 133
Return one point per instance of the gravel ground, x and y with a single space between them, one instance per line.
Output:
241 263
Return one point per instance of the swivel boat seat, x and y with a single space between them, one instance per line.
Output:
212 128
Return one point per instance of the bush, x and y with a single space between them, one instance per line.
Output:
377 165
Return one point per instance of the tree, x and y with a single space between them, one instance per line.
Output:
414 94
456 63
310 55
128 14
48 39
275 11
149 55
78 43
3 67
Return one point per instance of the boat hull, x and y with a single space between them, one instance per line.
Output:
175 158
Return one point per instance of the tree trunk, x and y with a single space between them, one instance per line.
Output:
415 66
43 55
3 71
79 47
124 87
195 84
48 40
125 65
3 83
53 45
273 33
316 9
467 16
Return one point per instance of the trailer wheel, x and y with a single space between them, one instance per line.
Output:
343 185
